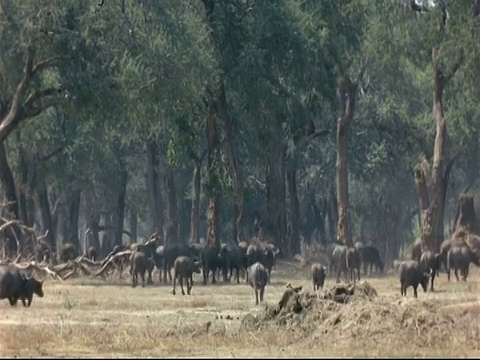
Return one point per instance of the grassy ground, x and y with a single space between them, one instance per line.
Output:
85 317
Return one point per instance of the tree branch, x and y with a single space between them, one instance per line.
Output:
44 64
11 120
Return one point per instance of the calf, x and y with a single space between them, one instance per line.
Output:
411 274
318 276
257 279
183 269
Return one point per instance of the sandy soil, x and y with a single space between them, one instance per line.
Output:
86 317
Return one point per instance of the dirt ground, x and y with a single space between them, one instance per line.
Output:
109 318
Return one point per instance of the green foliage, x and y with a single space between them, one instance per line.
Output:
143 75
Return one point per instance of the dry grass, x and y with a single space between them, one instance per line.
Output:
87 318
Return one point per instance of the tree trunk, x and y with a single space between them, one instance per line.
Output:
331 217
61 227
133 226
234 167
74 214
195 215
347 93
47 224
108 238
172 208
120 207
93 220
320 219
432 221
213 183
7 183
154 189
294 213
23 190
231 148
276 200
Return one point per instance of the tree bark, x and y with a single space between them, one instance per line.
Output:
93 220
195 214
231 148
432 224
332 217
213 183
120 207
172 208
294 213
74 214
108 238
61 226
47 224
133 226
347 93
234 167
276 199
23 190
154 189
7 182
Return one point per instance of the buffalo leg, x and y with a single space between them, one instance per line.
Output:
29 302
24 302
181 285
431 282
256 296
262 291
142 274
415 294
456 274
174 283
190 286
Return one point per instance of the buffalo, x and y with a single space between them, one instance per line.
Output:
183 269
411 274
257 279
318 276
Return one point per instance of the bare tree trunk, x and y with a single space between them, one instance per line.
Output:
74 213
120 208
108 238
234 168
276 199
195 215
7 182
231 148
133 226
172 206
23 191
154 189
213 183
432 221
46 214
93 220
294 220
331 217
61 227
347 93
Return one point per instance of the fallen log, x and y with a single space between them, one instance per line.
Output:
112 261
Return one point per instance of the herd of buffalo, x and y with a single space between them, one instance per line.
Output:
253 262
